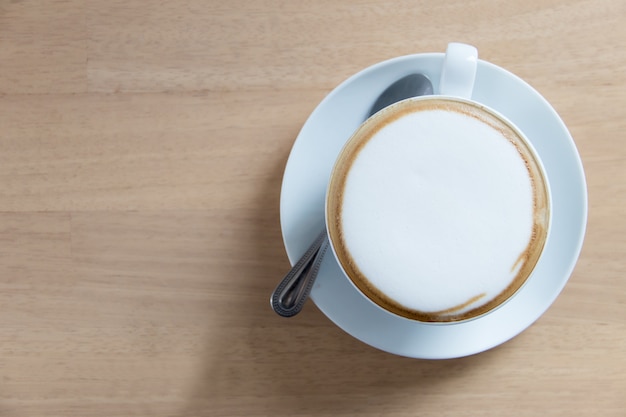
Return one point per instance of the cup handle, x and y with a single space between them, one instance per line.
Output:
459 70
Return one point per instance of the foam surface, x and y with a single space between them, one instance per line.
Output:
448 204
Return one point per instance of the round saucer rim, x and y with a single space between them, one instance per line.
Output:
554 291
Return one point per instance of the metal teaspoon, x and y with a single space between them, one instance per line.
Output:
293 290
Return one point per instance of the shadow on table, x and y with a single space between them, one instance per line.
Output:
267 365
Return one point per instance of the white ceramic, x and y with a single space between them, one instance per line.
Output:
303 195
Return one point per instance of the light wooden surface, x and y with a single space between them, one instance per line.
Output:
142 145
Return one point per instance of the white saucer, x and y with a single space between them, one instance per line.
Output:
302 210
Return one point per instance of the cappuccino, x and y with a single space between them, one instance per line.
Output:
437 209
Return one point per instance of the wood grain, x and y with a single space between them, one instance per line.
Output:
142 146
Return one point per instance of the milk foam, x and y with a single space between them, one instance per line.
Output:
447 204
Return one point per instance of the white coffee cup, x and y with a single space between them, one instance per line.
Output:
438 208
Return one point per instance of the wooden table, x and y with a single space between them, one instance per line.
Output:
142 146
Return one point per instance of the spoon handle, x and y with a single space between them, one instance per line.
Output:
291 293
